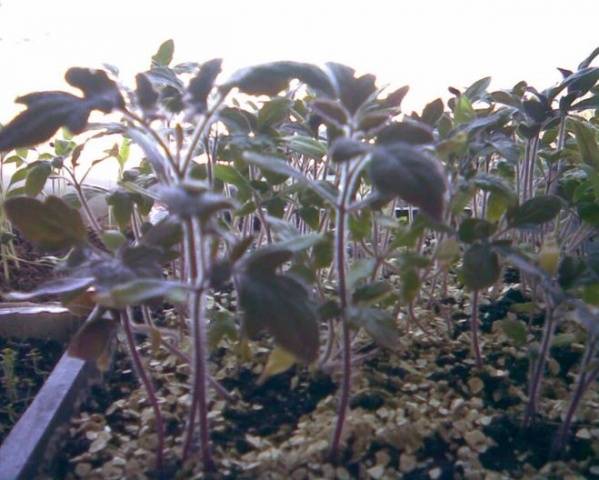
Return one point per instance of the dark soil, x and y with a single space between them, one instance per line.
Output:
30 272
532 446
24 367
24 363
117 383
275 400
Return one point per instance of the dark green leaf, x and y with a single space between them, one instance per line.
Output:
534 212
371 292
272 78
36 178
411 174
200 86
140 291
480 267
51 225
472 229
282 306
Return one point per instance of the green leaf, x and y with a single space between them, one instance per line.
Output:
323 252
51 225
281 305
371 292
463 111
411 174
472 229
311 216
587 141
496 207
307 146
360 224
222 324
359 270
480 267
122 207
515 330
495 185
55 287
229 174
590 294
379 324
36 178
113 239
589 213
534 212
344 149
478 89
299 243
141 291
273 112
280 166
410 284
164 56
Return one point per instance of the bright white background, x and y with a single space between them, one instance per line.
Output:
427 44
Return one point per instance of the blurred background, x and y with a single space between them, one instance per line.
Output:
427 44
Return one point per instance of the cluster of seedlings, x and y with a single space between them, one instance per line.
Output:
263 223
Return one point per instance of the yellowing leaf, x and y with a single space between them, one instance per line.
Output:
279 361
549 256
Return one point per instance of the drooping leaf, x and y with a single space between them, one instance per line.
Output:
279 361
282 306
411 174
51 225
